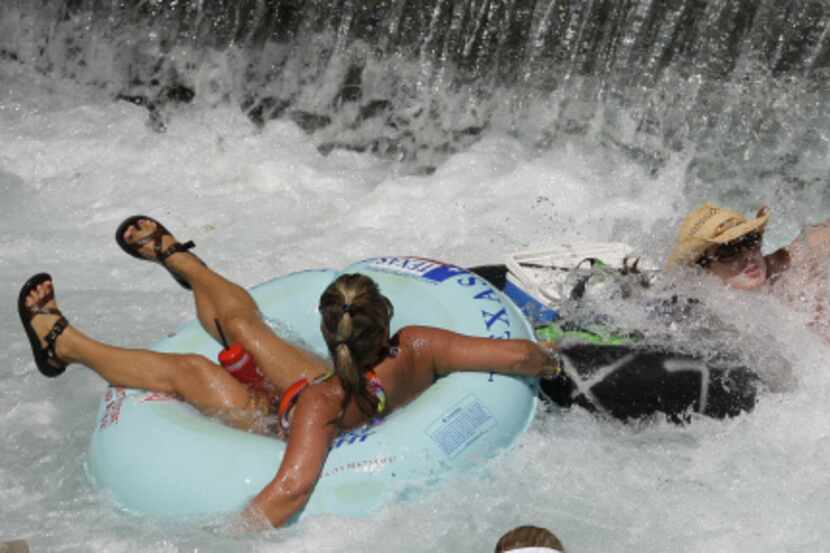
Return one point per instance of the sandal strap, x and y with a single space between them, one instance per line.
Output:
153 238
174 248
51 338
39 307
40 310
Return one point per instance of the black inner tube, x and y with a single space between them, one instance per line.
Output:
633 381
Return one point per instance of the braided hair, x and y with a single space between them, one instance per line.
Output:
355 320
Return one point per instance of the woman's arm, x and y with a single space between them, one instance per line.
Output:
817 239
452 352
309 439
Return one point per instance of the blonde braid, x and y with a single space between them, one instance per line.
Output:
343 359
355 322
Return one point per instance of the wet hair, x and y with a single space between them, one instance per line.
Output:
355 320
528 536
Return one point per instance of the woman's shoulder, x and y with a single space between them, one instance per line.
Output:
409 334
328 392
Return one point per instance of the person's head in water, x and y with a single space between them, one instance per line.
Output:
355 320
725 243
529 538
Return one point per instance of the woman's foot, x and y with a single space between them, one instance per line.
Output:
145 238
44 324
143 234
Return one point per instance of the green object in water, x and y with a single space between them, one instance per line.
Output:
555 332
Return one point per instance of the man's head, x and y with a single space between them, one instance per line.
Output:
725 243
529 539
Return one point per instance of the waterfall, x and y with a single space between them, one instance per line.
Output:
739 87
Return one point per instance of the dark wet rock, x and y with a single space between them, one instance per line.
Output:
8 55
158 120
172 95
155 120
472 131
375 108
176 94
309 122
262 110
328 147
424 170
352 88
137 99
399 148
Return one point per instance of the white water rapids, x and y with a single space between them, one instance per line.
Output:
261 203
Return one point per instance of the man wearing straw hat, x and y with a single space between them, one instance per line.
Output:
728 245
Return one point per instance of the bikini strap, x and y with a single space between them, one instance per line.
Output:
323 377
292 394
376 386
288 399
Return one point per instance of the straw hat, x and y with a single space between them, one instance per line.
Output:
710 225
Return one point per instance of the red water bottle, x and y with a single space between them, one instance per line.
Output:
239 362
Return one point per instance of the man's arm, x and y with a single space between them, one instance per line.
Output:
817 239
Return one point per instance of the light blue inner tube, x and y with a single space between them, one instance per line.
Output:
158 455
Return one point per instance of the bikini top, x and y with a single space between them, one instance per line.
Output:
292 394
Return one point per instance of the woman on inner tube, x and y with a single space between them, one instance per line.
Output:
373 373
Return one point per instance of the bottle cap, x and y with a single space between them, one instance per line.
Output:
231 355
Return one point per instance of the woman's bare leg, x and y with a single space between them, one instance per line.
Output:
218 298
201 383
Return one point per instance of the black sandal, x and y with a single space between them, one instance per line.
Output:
155 239
46 358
